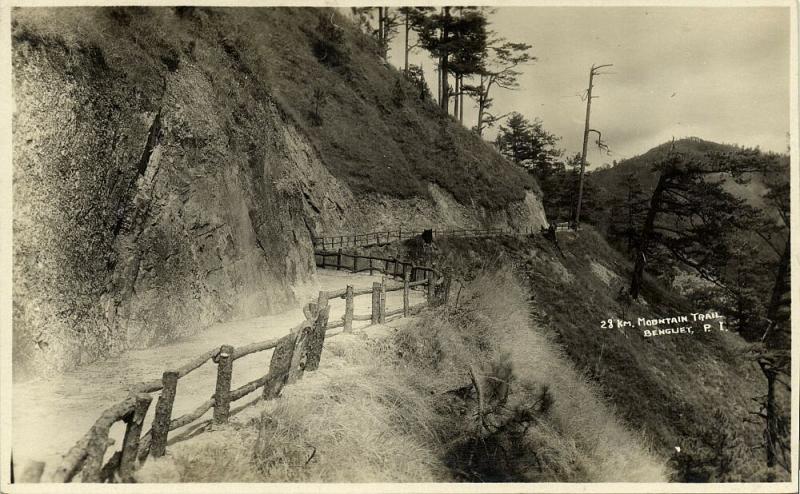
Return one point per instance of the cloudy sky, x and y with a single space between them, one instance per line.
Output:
721 74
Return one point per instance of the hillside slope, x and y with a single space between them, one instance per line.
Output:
694 391
622 406
398 399
169 171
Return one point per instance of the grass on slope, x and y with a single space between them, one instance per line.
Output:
399 408
374 131
691 391
368 124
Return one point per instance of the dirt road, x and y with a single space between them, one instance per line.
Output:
49 416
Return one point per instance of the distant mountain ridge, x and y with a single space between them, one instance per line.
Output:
609 180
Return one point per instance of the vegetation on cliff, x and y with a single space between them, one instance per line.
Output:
171 165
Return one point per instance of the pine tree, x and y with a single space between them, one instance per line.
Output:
628 212
503 58
388 24
689 216
514 140
529 145
456 37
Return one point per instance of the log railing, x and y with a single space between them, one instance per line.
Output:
295 353
385 237
355 263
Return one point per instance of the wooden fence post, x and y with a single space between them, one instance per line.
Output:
298 360
382 318
348 309
370 266
406 290
322 299
323 258
446 290
317 339
339 259
430 277
376 302
96 450
133 433
279 366
386 267
355 263
222 395
160 428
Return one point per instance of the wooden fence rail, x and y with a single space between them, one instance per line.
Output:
356 263
295 353
385 237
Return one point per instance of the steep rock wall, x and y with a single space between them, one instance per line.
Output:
147 205
160 185
375 212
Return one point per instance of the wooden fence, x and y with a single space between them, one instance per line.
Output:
355 263
295 353
385 237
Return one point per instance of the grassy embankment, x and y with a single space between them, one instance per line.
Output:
395 408
400 407
694 391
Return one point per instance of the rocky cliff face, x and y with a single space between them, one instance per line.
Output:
159 186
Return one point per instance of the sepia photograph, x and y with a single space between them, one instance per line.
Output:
406 248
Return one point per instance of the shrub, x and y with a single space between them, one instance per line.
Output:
710 457
399 93
417 78
329 44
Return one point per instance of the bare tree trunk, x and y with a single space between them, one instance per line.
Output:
405 65
445 101
443 63
647 230
773 336
456 100
630 220
771 431
380 28
439 85
461 101
481 105
382 13
780 282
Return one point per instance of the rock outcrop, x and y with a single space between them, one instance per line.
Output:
161 184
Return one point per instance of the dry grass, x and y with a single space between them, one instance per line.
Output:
388 410
356 419
365 422
587 427
668 388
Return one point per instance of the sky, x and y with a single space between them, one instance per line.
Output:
721 74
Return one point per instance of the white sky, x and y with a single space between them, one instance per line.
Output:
721 74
